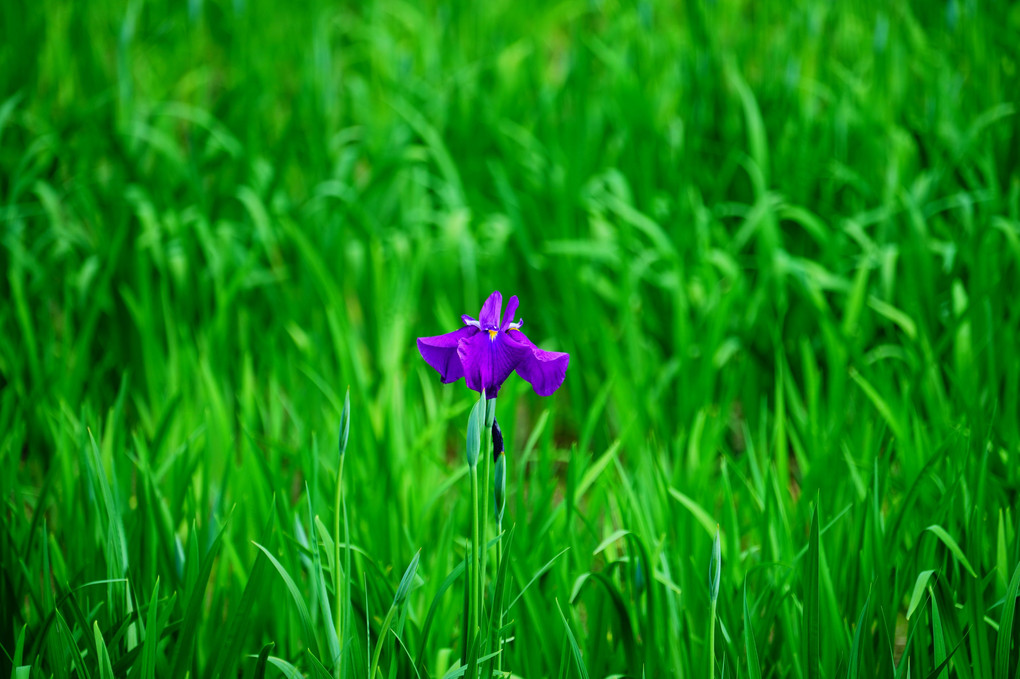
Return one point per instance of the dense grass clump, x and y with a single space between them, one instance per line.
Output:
780 241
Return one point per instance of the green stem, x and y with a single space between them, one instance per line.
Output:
498 605
336 552
475 580
486 450
711 645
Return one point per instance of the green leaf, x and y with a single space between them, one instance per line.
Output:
855 649
703 517
229 649
811 621
295 593
1005 635
499 592
619 607
190 623
153 630
319 579
260 664
537 575
103 661
398 601
949 542
575 650
593 472
286 668
753 667
920 587
616 535
938 636
452 577
19 645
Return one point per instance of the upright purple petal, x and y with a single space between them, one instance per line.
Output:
489 315
440 352
508 317
544 370
488 361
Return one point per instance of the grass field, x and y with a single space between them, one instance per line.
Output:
780 241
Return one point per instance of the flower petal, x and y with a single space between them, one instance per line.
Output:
489 315
508 317
545 370
488 361
440 352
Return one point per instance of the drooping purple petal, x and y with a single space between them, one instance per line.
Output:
489 315
544 370
440 352
508 317
489 360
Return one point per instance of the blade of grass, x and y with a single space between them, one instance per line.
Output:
811 619
1005 635
574 649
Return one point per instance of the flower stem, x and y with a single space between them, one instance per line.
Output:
337 580
486 450
475 585
498 605
711 644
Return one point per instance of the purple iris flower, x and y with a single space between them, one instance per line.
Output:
485 351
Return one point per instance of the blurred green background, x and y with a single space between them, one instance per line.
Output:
781 242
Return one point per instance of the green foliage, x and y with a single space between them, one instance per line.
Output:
781 243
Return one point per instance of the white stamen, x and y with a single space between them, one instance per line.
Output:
474 323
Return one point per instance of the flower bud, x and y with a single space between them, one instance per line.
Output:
715 568
497 440
345 423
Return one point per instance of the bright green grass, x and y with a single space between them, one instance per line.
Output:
780 242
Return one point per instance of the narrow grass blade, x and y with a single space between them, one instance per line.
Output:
398 600
105 668
19 645
811 621
190 622
753 667
920 587
499 596
286 669
453 576
703 517
575 650
938 635
949 542
1005 635
319 579
295 593
152 634
537 575
263 659
229 651
619 607
855 649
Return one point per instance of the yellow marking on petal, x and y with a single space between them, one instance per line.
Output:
492 334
